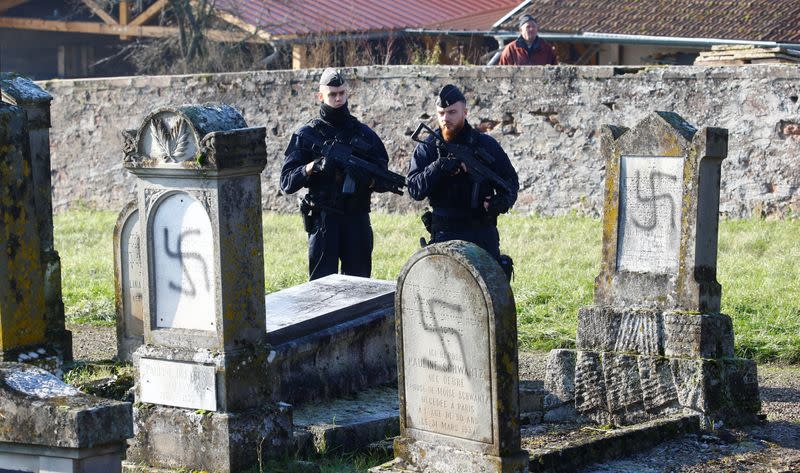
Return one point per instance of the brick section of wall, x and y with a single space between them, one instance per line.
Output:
547 119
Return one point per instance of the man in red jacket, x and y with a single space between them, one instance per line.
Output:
529 49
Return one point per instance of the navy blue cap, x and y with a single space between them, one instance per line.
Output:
449 95
526 18
331 77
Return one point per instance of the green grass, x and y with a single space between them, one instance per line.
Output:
556 260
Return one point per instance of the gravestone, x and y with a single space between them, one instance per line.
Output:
654 342
457 364
128 282
23 322
331 337
203 400
50 427
35 102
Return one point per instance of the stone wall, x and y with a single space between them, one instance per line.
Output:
547 119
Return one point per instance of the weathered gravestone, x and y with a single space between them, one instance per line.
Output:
23 322
331 337
35 102
457 364
50 427
128 282
655 342
203 402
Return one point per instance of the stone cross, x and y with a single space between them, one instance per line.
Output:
202 267
35 101
128 282
457 363
654 343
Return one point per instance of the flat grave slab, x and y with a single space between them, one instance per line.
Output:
347 425
323 303
569 447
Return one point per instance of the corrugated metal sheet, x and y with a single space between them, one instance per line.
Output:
754 20
300 17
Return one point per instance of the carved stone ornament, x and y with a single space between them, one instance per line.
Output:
191 137
168 138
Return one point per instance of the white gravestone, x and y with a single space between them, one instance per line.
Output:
131 275
183 256
651 190
457 364
446 352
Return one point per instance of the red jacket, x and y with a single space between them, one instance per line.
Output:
517 53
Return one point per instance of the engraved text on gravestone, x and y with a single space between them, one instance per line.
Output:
446 352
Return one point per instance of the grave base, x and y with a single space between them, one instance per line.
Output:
170 437
44 459
633 365
624 389
419 455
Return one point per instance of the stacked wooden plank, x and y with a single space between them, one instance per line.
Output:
746 54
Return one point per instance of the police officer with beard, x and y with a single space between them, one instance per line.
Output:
337 223
448 187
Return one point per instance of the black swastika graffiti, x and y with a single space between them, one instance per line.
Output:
182 256
651 200
441 333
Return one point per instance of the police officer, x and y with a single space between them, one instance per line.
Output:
447 185
337 223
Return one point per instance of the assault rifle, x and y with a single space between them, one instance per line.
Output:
342 154
475 158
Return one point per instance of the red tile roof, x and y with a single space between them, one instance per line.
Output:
766 20
482 21
300 17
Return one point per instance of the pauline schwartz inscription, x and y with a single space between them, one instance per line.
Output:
651 189
446 362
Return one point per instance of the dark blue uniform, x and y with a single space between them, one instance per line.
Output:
340 227
450 196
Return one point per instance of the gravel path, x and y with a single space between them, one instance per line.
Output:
772 447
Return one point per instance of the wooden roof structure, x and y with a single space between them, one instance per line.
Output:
120 22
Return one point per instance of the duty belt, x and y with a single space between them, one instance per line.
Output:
455 224
346 207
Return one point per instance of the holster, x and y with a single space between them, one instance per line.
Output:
307 212
508 266
427 221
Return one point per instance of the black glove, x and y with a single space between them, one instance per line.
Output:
447 165
497 205
319 165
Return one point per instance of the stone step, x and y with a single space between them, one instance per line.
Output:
574 446
346 425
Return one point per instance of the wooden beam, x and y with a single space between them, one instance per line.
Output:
98 10
85 27
124 12
243 25
151 11
115 30
9 4
299 56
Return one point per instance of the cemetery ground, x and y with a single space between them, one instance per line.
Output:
556 260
